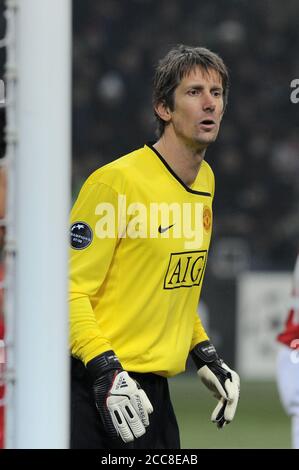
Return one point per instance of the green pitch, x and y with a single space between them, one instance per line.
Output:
260 422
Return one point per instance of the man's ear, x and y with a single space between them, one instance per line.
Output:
163 111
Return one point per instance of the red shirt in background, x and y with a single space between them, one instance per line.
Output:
290 335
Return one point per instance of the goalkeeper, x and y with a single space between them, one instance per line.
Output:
136 272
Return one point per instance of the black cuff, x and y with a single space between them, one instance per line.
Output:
204 353
102 364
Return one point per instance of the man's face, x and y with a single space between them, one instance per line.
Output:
198 107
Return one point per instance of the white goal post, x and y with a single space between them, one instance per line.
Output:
39 61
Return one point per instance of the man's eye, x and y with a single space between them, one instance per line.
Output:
217 93
193 92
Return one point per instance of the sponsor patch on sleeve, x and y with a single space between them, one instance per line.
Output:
81 235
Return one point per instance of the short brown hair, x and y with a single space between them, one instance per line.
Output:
178 63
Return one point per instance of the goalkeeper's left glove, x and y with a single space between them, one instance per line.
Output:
220 379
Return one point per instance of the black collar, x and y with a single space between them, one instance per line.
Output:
201 193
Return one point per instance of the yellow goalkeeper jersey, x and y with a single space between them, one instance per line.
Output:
139 245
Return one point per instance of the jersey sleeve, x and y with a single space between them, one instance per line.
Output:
199 333
90 258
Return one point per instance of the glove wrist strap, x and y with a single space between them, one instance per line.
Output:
204 353
103 363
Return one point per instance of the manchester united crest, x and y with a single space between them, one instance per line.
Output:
207 218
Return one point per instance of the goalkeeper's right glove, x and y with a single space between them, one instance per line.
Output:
123 406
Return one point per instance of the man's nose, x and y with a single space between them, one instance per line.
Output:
208 104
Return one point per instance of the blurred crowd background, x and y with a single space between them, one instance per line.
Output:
256 158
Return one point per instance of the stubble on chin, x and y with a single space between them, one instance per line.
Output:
206 140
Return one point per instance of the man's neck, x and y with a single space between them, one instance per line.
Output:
183 160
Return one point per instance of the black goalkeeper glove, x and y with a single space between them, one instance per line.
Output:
123 406
220 379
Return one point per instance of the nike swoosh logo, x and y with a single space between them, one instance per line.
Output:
162 230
